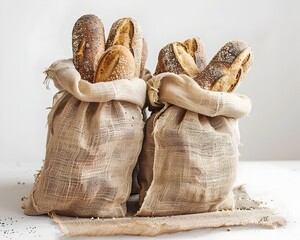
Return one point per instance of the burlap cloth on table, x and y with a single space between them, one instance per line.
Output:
246 212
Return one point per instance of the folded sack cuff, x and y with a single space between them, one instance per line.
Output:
183 91
66 77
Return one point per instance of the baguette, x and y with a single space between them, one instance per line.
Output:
175 58
195 48
127 32
228 67
144 57
117 62
88 44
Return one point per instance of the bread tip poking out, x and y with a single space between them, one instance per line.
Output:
195 47
128 33
175 58
88 44
227 68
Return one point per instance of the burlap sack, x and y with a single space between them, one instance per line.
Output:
146 75
190 152
94 139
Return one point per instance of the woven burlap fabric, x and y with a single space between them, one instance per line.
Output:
246 212
190 152
95 136
135 189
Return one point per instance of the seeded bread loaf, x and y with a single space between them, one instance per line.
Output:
88 43
195 48
117 62
227 68
175 58
127 32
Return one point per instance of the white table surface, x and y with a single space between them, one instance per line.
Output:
274 182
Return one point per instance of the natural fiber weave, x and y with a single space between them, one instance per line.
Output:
190 152
247 212
94 139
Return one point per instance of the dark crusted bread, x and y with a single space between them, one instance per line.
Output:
228 67
88 43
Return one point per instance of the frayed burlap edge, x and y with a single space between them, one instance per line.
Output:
247 212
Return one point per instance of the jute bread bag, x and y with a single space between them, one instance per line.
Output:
94 139
95 125
190 151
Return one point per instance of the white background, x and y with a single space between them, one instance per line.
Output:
35 33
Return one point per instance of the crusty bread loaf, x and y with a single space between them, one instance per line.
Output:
175 58
127 32
144 57
195 47
88 44
117 62
227 68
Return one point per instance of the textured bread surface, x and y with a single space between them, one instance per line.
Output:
128 33
116 63
175 58
227 68
195 47
144 56
88 44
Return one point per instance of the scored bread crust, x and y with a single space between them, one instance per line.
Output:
195 47
117 62
144 57
227 68
88 44
128 32
175 58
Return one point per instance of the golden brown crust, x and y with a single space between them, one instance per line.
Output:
144 57
117 62
88 44
175 58
228 67
127 32
195 47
